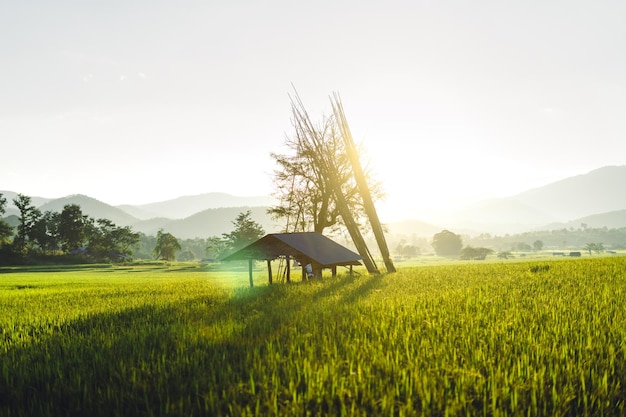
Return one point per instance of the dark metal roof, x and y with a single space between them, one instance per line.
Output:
311 245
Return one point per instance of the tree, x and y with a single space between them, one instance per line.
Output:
537 245
73 226
447 243
408 251
45 232
216 248
29 215
166 246
106 241
469 253
246 232
304 178
5 229
594 247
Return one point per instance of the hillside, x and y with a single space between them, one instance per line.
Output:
598 191
207 223
611 220
571 199
595 198
10 207
183 207
92 207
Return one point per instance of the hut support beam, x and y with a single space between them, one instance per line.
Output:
269 270
250 272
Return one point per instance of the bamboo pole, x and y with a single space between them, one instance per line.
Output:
329 170
366 195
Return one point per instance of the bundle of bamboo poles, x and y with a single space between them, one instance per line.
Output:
329 170
361 180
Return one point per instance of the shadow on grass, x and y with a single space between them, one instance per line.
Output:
155 359
149 360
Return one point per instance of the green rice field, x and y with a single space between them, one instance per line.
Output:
525 338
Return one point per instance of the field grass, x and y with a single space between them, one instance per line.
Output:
536 337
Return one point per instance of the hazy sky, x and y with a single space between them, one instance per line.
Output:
143 101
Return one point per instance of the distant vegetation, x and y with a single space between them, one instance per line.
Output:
34 237
509 338
68 236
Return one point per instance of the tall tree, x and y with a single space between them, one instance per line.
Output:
447 243
5 229
246 232
110 242
45 232
166 246
307 176
72 227
29 214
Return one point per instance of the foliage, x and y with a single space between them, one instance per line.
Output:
72 227
5 229
556 239
507 338
166 246
304 179
70 232
112 243
29 215
471 253
246 232
447 243
594 247
408 251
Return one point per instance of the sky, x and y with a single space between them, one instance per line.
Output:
138 101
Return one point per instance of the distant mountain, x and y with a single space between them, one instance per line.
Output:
11 195
207 223
610 220
599 191
92 207
182 207
596 199
413 227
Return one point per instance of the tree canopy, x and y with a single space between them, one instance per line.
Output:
447 243
166 246
246 232
307 176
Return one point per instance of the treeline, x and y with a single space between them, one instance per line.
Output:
73 237
68 236
580 239
565 239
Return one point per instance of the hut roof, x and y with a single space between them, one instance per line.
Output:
305 245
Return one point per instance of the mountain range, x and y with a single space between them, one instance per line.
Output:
595 199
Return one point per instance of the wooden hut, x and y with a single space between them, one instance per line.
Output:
306 248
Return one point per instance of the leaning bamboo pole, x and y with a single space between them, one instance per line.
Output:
357 170
329 170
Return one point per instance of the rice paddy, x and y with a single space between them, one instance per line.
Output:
517 338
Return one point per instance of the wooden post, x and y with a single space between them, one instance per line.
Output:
353 229
250 272
366 195
269 270
288 268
